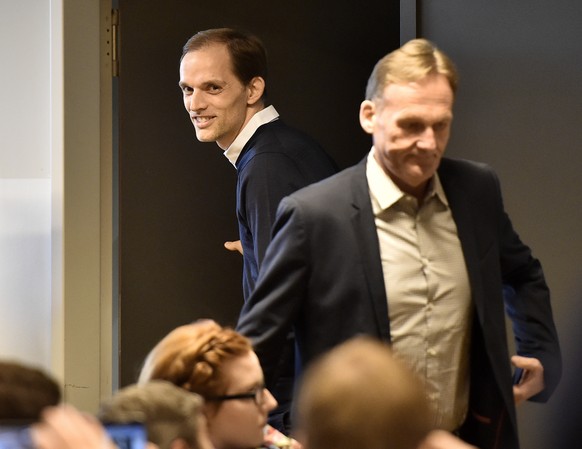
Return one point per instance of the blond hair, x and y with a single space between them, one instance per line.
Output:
359 395
167 411
413 61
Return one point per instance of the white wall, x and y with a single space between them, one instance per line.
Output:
25 184
55 192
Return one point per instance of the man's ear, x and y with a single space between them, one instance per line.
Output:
368 116
255 90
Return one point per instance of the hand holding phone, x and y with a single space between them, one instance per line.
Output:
127 436
15 436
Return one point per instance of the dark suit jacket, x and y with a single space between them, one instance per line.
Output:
322 275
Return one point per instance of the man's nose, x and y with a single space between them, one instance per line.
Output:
427 140
196 101
270 402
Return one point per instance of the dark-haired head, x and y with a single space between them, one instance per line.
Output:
247 53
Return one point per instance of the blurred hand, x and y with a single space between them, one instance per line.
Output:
532 379
234 246
275 439
440 439
64 427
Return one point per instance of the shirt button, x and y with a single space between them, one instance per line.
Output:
431 351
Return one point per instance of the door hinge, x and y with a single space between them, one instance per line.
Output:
115 42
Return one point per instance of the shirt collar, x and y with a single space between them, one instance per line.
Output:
385 193
262 117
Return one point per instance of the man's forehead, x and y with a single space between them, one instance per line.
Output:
206 63
215 52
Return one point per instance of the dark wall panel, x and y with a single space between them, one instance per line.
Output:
176 194
519 108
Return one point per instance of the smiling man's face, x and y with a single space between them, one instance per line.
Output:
214 97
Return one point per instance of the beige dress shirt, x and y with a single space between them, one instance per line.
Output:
427 286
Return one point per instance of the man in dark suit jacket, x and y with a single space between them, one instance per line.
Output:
414 249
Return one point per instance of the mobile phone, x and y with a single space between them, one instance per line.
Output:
15 436
127 436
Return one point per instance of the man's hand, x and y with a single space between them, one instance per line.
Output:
234 246
64 427
532 379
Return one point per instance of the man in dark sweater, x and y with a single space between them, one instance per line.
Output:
223 81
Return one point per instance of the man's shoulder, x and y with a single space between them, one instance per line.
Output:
463 170
454 165
276 144
474 180
278 136
337 187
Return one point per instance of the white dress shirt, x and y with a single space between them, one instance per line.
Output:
267 115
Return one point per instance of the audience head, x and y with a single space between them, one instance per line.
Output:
25 391
172 416
359 395
219 364
413 61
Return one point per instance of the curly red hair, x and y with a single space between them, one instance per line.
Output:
192 356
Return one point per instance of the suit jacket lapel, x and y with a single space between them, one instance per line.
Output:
364 229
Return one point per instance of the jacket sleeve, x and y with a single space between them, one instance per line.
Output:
268 316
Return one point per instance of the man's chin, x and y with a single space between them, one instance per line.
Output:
204 138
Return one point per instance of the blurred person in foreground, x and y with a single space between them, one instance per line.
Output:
172 419
359 395
25 391
220 365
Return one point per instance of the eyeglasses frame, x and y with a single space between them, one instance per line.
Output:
254 395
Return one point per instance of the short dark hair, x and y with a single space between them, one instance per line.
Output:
25 391
247 52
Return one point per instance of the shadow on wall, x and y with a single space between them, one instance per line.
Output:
565 407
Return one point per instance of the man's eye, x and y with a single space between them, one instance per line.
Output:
213 88
413 127
187 90
441 126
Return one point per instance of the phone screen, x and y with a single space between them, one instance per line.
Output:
15 437
127 436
